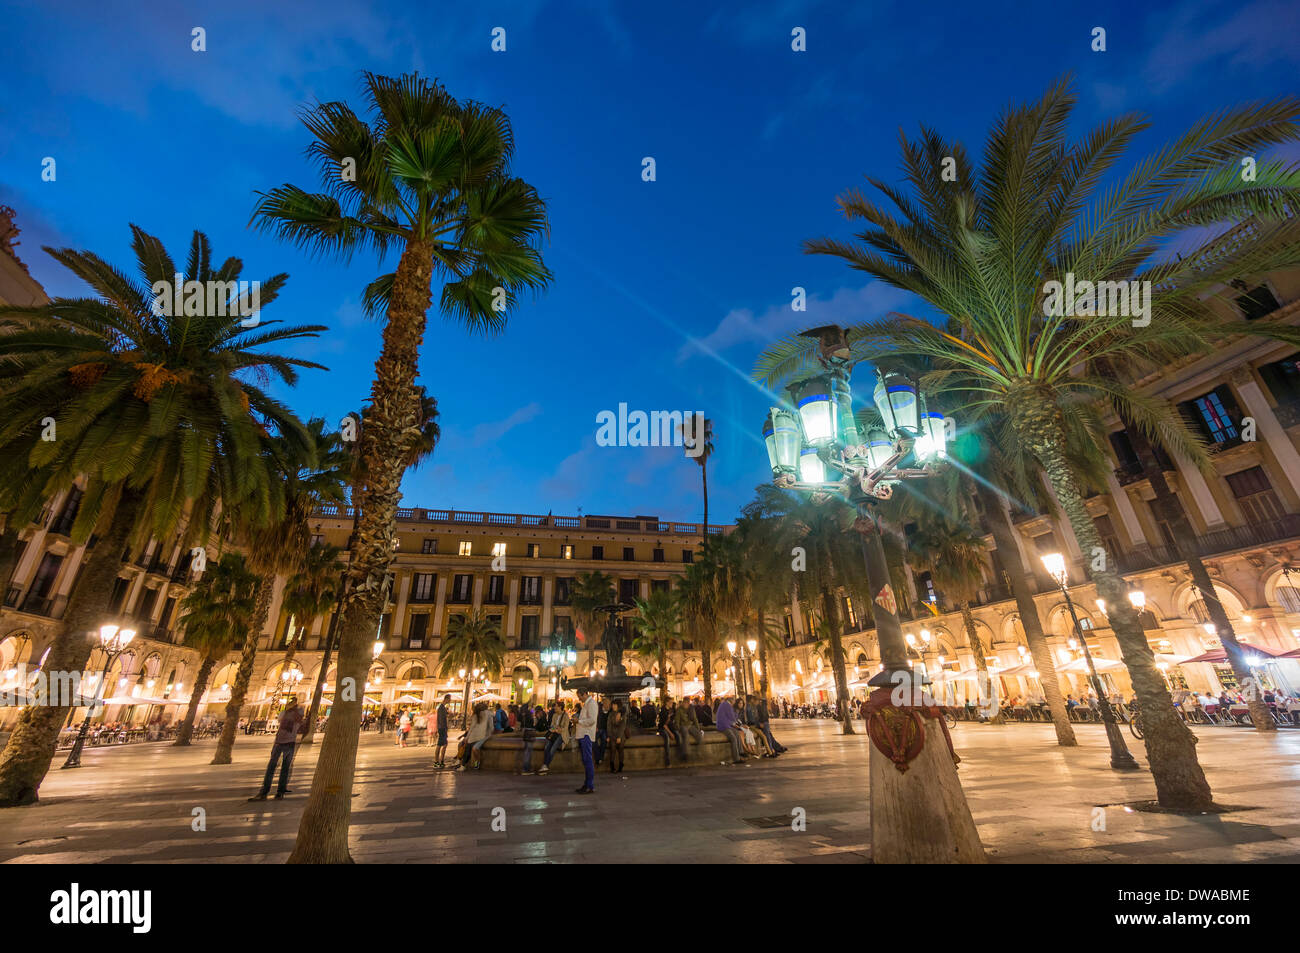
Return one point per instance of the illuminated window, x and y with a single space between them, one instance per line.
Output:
466 547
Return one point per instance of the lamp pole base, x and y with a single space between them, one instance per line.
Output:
1120 758
920 816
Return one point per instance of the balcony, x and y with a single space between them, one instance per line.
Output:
11 597
1224 540
477 518
38 605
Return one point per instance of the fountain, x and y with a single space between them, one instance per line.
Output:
615 683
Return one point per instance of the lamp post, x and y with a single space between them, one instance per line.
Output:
1120 758
113 640
919 812
559 652
741 657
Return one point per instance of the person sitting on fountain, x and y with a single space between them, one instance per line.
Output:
617 732
556 735
649 717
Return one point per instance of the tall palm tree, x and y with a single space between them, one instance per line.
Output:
980 244
159 417
659 621
217 611
766 544
590 591
310 592
472 641
429 178
699 619
700 439
279 545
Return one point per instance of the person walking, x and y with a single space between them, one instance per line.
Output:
292 724
403 727
440 726
726 721
617 730
588 715
556 735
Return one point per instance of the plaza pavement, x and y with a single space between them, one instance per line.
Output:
1033 802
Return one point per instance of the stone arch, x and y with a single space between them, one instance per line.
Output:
16 649
1283 593
1190 605
410 670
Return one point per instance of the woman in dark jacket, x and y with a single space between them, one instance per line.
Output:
618 731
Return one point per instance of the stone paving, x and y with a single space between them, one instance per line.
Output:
1033 802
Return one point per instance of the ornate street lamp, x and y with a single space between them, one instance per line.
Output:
1120 758
113 640
742 656
559 652
919 813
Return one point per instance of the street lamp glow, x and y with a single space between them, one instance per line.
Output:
731 647
817 410
925 636
781 435
1138 598
911 639
106 633
379 648
752 645
1209 628
812 469
1054 563
1101 606
895 399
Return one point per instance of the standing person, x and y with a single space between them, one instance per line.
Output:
664 727
727 725
556 735
588 715
687 723
440 724
403 727
292 724
617 732
528 730
602 732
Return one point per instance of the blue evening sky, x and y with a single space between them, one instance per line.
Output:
664 291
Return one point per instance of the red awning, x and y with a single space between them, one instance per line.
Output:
1221 655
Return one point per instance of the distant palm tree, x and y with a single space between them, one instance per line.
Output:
700 618
429 177
590 591
700 439
159 419
310 592
216 614
955 556
659 620
472 641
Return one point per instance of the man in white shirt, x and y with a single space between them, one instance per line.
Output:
587 719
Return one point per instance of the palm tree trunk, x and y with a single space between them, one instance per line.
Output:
309 736
663 674
30 749
392 423
1004 544
704 477
1185 543
226 743
981 663
706 673
186 733
763 683
1170 745
842 708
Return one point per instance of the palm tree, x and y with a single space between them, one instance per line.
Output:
158 417
473 642
699 619
700 439
954 555
591 590
981 245
428 177
216 611
659 618
310 592
766 546
279 545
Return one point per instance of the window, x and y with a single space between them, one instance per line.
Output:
850 617
660 585
429 545
1289 596
1255 303
145 609
1085 624
118 595
1162 524
534 550
63 525
461 586
496 589
563 590
688 556
629 554
530 590
529 626
657 555
45 573
499 549
169 608
1283 378
627 590
422 586
925 585
1213 414
563 624
1199 611
385 625
789 630
1106 530
566 551
598 552
466 547
419 627
1255 496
